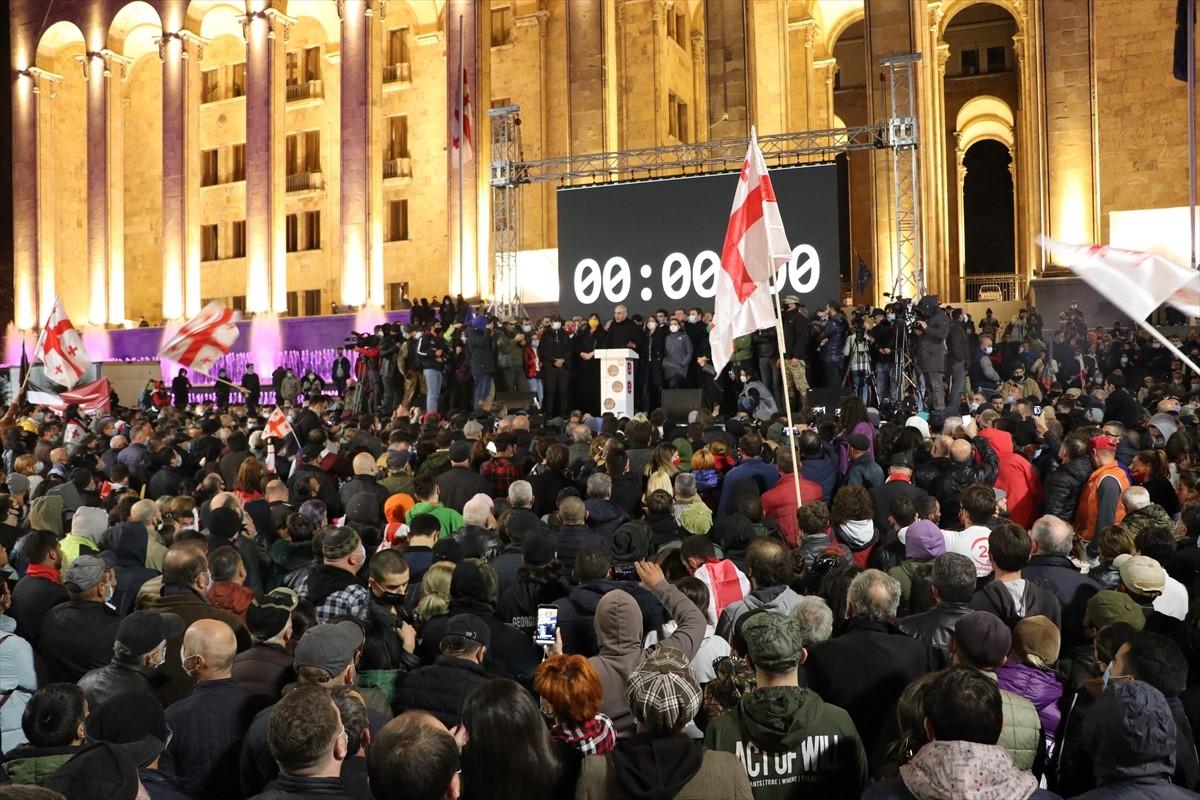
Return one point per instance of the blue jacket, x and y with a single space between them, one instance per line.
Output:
755 469
577 613
822 470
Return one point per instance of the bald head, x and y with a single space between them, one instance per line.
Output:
276 491
1052 536
961 450
1135 498
941 446
145 512
364 464
209 646
225 500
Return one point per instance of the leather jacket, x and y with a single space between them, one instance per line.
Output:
117 678
962 474
935 627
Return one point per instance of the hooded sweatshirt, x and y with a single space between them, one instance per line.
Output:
619 635
792 744
1017 477
859 536
966 771
87 526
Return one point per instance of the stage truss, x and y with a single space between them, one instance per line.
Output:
898 135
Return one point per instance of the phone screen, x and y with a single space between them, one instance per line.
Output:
624 572
1037 411
547 624
966 420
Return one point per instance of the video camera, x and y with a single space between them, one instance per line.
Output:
356 339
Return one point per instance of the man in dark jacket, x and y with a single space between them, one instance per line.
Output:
603 517
932 328
885 660
310 468
41 589
441 687
966 470
266 667
554 351
953 582
139 652
577 611
304 721
1120 406
211 722
574 536
818 463
1064 485
460 483
239 450
899 483
862 469
77 636
795 352
1051 568
364 481
958 351
1009 595
253 388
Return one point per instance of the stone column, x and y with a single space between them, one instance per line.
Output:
44 92
767 25
936 182
33 208
180 52
801 34
700 87
265 32
960 181
103 71
824 70
361 157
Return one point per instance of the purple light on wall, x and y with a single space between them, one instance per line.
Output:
266 342
95 341
12 344
366 318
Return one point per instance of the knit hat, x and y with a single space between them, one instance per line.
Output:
142 631
1037 640
1110 606
924 539
397 507
45 513
269 613
99 771
539 548
339 543
84 573
448 549
16 483
467 581
330 646
224 523
630 543
1141 573
662 691
461 451
126 721
773 641
983 639
859 442
89 522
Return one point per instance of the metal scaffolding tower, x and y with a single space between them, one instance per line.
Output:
898 134
902 139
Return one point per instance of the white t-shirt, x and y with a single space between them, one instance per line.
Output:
972 543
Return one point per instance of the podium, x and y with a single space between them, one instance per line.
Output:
616 381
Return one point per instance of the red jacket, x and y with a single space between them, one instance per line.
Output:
1017 478
780 505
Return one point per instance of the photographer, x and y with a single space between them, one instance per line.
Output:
882 337
858 356
931 328
388 373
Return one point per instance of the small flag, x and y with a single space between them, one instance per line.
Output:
461 134
60 348
203 339
1135 282
278 426
864 275
1179 65
755 247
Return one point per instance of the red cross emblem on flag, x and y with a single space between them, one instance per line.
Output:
203 339
60 348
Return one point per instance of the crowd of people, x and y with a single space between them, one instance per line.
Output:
991 598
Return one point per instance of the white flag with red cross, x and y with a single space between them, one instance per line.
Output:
203 339
60 348
277 426
461 135
755 247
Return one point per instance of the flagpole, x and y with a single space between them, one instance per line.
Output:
462 143
1167 344
787 395
1191 56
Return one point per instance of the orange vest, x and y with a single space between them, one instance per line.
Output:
1085 515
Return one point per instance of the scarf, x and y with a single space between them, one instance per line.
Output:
48 573
596 737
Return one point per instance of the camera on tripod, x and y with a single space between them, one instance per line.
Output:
357 340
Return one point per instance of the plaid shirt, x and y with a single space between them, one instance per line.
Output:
499 473
351 601
595 737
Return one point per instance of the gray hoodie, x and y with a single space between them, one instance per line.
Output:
779 599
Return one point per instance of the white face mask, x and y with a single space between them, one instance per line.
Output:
109 591
693 318
158 657
674 329
651 325
988 350
555 325
527 328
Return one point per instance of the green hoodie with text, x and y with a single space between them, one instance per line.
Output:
792 744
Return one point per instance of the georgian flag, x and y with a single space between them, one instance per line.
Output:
461 135
755 247
203 339
60 348
277 425
1133 281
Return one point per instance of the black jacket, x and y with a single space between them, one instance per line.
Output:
864 671
935 627
994 597
511 653
328 493
925 474
77 637
116 678
1120 406
457 485
264 670
960 475
882 497
209 726
291 787
360 484
439 688
1058 575
32 598
572 539
1063 487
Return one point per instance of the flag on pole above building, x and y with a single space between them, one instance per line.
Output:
755 247
203 339
1133 281
60 348
462 134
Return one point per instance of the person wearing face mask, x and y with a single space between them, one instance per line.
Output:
554 352
586 369
1023 386
186 581
335 586
77 636
510 358
982 369
677 356
138 655
650 368
266 668
755 398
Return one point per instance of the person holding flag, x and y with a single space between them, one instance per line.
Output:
60 348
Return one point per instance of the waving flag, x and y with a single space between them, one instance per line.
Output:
461 135
60 348
755 247
1133 281
205 338
278 426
